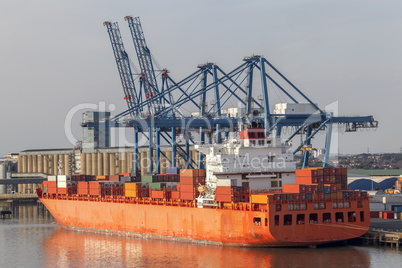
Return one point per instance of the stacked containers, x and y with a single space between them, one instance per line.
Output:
52 187
82 188
95 188
189 181
132 189
63 181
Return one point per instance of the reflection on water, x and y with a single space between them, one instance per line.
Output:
31 240
66 248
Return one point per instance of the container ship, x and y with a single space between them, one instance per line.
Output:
250 194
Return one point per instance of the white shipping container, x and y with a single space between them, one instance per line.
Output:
51 178
224 182
61 184
63 178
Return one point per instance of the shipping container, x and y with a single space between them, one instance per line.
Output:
175 194
52 190
261 199
187 188
125 174
62 190
52 178
157 185
223 190
193 180
172 170
226 182
149 178
306 180
63 178
223 198
306 173
52 184
293 188
114 178
189 172
187 196
157 194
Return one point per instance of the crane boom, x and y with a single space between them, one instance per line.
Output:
123 65
145 60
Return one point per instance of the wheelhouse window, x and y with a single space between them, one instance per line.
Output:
287 219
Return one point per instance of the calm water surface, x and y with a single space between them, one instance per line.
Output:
30 239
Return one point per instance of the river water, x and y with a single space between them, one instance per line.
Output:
32 239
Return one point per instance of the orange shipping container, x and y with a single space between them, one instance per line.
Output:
222 190
306 180
293 188
175 194
82 191
62 190
187 196
187 188
157 194
125 174
52 190
224 198
192 180
82 185
189 172
306 173
51 184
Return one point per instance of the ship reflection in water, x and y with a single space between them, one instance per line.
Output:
76 249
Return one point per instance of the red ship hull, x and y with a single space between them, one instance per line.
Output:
233 227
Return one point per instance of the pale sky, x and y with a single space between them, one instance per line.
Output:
55 55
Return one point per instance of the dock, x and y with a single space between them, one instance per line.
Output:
384 232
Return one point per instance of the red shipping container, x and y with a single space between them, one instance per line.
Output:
82 185
175 194
187 188
114 178
224 198
321 196
62 190
293 188
94 185
51 184
302 196
51 190
192 180
320 179
187 196
157 194
311 188
94 191
306 173
326 180
332 179
320 170
82 191
326 171
332 171
374 214
306 180
277 197
296 197
388 215
334 188
222 190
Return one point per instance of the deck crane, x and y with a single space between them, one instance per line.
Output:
123 65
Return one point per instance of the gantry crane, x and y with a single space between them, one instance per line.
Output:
123 65
219 90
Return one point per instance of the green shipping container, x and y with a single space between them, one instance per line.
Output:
149 178
45 190
157 185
